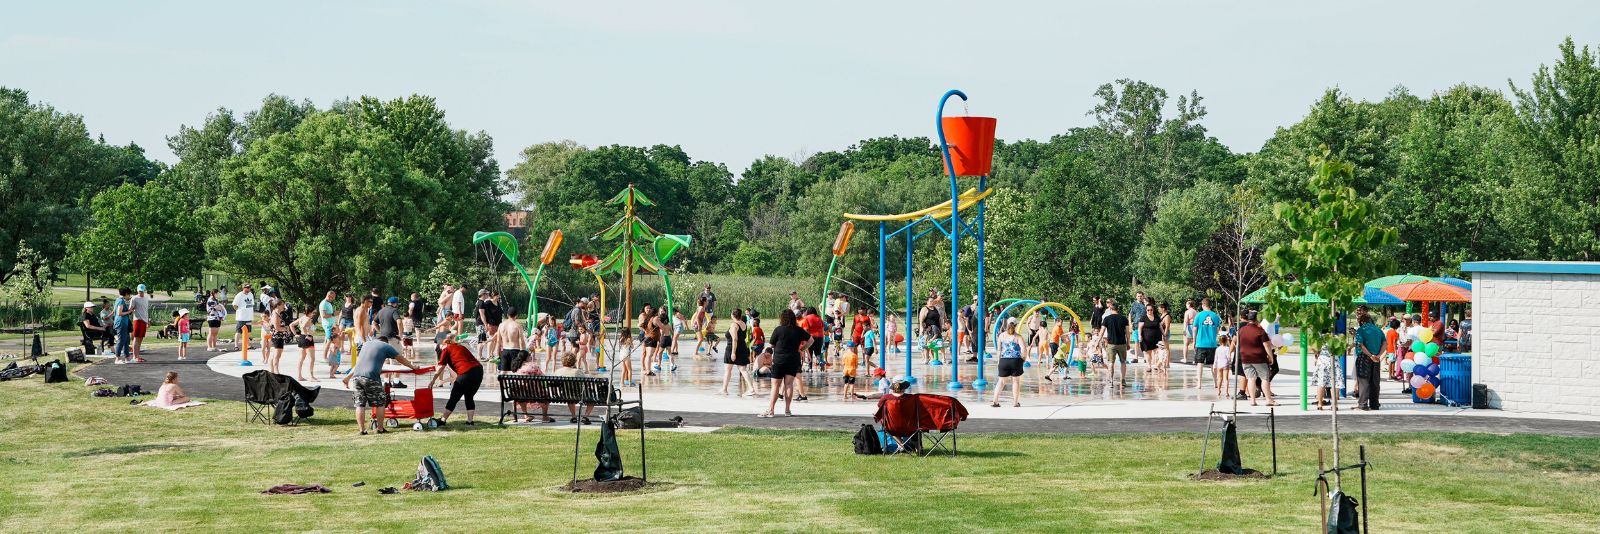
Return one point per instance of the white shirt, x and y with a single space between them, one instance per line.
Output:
458 303
244 306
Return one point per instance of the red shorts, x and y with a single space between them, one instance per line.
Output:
139 327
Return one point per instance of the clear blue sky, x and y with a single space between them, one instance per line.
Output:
732 81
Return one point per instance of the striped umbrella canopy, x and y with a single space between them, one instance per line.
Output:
1463 284
1372 296
1429 291
1394 279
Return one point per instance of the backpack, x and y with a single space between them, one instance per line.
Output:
54 372
429 476
130 390
630 418
866 440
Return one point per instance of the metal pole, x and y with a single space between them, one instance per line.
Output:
910 238
883 306
978 309
1305 372
1364 527
955 240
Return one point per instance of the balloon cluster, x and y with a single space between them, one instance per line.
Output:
1424 370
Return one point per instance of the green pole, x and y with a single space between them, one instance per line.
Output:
827 282
533 298
1305 383
666 282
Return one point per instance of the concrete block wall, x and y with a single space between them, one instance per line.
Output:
1537 341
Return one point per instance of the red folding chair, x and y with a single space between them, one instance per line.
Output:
909 418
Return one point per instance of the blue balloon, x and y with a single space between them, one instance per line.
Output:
1435 380
1420 371
1433 369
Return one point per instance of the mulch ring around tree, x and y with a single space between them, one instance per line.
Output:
622 485
1213 474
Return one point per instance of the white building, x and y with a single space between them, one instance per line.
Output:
1536 334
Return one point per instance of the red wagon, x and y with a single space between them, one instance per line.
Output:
419 407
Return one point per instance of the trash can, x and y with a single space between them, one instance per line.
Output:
1455 370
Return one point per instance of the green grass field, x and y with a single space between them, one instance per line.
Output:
74 463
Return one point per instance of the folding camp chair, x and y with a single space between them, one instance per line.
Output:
263 390
909 418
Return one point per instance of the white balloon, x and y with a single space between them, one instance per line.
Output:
1421 358
1288 339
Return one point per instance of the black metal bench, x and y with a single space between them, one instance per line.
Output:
579 390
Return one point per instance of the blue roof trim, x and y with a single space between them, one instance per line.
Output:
1544 267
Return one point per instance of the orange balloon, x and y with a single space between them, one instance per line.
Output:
1425 391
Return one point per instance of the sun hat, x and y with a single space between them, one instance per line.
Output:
183 311
878 372
88 304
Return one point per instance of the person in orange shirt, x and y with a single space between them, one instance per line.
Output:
1391 350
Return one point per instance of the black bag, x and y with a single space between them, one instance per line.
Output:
610 459
1230 462
103 392
631 418
1343 517
55 372
129 390
75 355
302 409
866 440
283 410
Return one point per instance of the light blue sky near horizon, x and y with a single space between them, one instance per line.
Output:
733 81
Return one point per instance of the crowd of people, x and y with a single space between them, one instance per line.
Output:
832 340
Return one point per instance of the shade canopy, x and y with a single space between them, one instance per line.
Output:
1463 284
1394 279
1371 296
1429 291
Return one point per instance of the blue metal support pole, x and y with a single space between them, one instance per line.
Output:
955 240
883 303
978 309
909 318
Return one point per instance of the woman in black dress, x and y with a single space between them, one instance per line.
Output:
788 342
1150 337
737 356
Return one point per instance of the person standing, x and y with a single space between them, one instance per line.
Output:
141 321
1369 358
1150 339
513 343
710 300
304 337
244 311
215 313
1188 331
1114 330
327 318
489 315
444 304
366 373
1205 325
458 303
469 377
1466 332
1096 315
788 342
795 304
1256 354
812 323
737 356
1010 365
1136 314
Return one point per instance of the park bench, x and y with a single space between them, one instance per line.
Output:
579 390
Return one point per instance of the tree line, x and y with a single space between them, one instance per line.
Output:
372 193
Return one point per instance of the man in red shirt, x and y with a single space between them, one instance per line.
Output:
1256 355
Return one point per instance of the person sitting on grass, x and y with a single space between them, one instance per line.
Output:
569 367
368 386
171 396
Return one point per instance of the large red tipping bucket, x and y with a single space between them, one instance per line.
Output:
971 142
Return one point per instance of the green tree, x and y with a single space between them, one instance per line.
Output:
1185 221
1454 166
1331 254
49 168
29 280
751 259
138 235
542 166
1553 206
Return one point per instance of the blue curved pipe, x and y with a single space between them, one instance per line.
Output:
999 317
955 239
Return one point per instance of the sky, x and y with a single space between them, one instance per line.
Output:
734 81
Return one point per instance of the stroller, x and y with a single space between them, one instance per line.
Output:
420 407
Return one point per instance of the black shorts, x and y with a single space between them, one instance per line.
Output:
278 342
304 342
1205 355
214 323
869 351
848 379
1010 367
512 359
785 368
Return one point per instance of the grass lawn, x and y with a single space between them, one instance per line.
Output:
73 463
